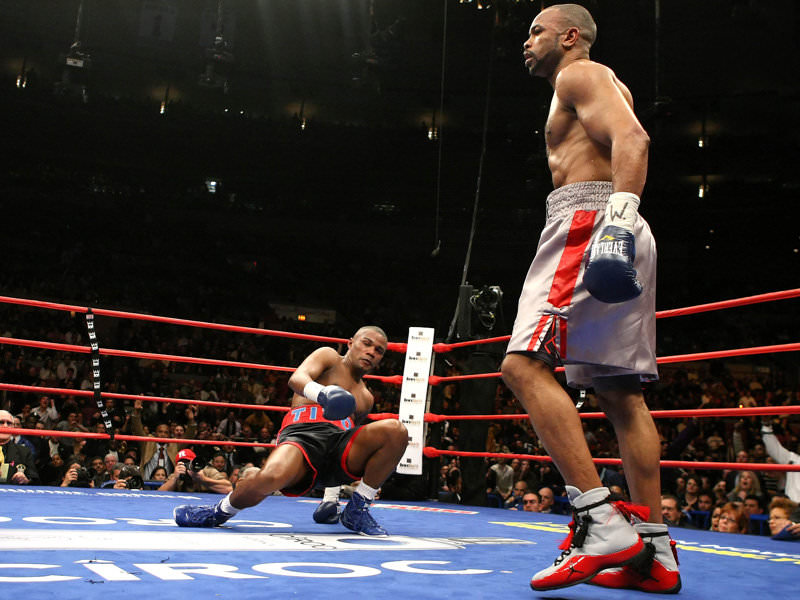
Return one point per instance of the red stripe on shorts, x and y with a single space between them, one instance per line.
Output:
533 345
569 265
580 232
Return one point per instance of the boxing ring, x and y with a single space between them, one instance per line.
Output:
79 542
73 543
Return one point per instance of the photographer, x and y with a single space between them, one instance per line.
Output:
130 478
190 475
77 475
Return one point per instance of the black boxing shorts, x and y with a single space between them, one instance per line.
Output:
325 446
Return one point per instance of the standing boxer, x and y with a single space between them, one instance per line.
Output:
589 302
322 441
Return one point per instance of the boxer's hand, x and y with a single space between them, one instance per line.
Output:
609 275
336 402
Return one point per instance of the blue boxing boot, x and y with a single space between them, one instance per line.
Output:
188 515
356 517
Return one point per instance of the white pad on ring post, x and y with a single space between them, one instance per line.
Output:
415 396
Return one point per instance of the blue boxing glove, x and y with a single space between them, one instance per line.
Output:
336 402
609 275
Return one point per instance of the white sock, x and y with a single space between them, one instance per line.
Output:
366 491
331 494
226 507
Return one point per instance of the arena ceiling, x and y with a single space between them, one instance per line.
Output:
381 61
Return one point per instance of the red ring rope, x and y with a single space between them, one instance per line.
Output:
792 347
661 314
128 438
396 347
431 452
394 379
428 417
15 387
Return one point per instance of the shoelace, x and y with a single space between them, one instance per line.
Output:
578 529
579 526
366 516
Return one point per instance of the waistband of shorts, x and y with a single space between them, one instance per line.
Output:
582 195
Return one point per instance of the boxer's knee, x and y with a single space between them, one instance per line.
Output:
518 367
393 432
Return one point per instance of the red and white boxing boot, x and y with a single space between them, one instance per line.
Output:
658 575
601 537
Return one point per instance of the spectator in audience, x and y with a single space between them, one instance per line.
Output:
733 519
236 455
528 475
752 505
17 465
230 426
720 492
46 412
546 500
515 500
130 478
747 485
109 460
705 501
550 477
610 476
442 480
619 492
156 453
672 514
76 475
22 440
72 423
52 472
258 419
500 480
220 463
782 456
715 514
742 456
690 496
454 486
159 474
96 467
207 479
530 502
781 526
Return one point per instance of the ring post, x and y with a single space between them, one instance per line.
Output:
414 396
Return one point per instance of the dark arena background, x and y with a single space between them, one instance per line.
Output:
309 166
315 120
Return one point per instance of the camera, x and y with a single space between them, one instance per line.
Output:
83 480
133 479
135 483
191 461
